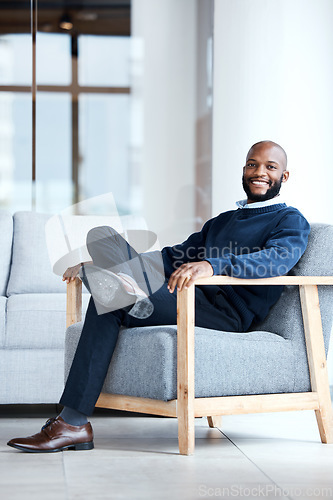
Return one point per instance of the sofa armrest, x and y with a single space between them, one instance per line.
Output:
74 302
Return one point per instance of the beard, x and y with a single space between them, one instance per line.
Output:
272 191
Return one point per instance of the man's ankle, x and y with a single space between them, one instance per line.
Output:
73 417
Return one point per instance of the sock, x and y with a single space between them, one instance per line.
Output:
73 417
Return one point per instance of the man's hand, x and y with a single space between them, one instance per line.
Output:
71 273
186 274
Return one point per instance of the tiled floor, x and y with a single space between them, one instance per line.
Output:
136 457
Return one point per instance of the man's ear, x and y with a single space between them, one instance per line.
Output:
285 176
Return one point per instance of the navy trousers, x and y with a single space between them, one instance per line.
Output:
100 331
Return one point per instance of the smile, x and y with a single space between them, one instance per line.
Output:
259 183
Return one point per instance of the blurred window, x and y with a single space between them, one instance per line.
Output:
15 59
54 66
53 151
104 146
104 60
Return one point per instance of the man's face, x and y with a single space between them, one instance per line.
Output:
264 172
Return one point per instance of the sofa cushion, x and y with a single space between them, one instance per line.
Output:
66 236
31 376
31 270
37 321
6 228
225 363
3 304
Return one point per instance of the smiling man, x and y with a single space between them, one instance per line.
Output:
263 237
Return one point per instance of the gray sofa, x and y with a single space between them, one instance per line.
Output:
269 359
32 311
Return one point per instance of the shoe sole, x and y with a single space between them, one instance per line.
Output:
76 447
94 277
142 309
121 298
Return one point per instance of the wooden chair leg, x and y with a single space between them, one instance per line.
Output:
317 359
186 435
325 423
215 421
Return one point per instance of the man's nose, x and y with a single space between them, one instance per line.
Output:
261 170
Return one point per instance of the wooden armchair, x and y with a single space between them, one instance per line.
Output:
186 407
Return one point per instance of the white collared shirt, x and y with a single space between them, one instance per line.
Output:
259 204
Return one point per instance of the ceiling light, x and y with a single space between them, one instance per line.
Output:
65 22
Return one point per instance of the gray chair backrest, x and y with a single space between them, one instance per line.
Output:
285 317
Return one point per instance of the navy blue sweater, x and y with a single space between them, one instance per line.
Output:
246 243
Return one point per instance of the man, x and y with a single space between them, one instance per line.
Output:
262 238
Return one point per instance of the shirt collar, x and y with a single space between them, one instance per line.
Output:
258 204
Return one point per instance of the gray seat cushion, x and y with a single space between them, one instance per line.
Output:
3 303
36 320
225 363
30 376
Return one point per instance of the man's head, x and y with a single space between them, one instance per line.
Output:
264 171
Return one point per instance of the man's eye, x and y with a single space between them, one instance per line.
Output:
271 167
251 165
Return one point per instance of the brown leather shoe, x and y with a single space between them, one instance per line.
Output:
56 435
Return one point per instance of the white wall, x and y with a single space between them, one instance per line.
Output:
164 91
273 79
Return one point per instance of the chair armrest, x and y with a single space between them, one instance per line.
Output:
278 280
185 335
74 289
74 302
186 303
186 315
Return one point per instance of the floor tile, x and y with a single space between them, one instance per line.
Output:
294 426
149 427
303 491
286 446
30 468
268 455
177 476
298 462
37 491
